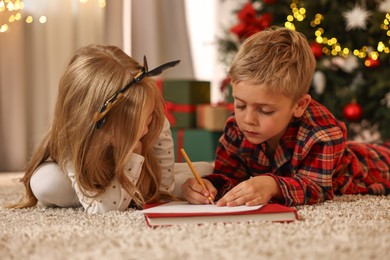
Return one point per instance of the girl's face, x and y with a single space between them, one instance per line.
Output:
261 115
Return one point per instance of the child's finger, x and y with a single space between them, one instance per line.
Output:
196 186
257 201
194 192
211 189
195 197
233 198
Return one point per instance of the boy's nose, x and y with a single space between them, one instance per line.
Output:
249 117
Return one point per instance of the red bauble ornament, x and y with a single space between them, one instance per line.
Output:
371 63
247 14
353 112
316 48
264 21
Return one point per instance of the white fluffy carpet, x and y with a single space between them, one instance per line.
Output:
349 227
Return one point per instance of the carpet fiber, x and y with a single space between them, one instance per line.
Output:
349 227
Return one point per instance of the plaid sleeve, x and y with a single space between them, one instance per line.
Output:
229 168
314 164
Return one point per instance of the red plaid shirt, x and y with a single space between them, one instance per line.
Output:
312 163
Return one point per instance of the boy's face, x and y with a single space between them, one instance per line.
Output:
262 115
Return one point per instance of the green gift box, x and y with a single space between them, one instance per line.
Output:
230 98
181 97
199 144
227 90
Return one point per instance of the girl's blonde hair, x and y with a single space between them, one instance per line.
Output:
278 59
95 73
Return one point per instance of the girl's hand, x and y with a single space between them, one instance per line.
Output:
194 193
255 191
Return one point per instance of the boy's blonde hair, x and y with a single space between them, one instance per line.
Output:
278 59
95 73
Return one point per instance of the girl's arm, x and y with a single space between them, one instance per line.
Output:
115 196
164 152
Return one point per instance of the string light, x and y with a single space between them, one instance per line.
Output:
331 44
101 3
11 11
29 19
42 19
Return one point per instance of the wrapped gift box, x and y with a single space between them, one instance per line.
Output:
199 144
181 98
230 98
212 117
227 90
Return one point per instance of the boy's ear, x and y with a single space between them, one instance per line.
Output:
301 105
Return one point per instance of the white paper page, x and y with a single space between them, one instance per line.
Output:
185 207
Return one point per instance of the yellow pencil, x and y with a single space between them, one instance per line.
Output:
195 172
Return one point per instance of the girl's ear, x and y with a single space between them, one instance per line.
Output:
301 105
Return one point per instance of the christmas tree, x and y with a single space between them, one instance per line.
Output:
351 42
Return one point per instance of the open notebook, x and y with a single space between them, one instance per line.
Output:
181 212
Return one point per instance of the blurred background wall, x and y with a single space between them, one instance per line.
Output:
350 40
38 37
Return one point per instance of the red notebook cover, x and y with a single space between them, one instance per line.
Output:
269 212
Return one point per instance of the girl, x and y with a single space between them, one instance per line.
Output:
109 145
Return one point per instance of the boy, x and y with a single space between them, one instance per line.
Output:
280 145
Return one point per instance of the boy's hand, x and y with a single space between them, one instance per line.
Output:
255 191
194 193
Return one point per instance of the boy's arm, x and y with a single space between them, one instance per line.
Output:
229 167
312 181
